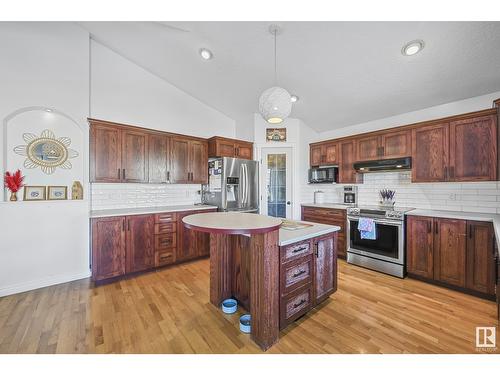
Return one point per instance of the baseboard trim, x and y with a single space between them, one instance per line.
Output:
42 283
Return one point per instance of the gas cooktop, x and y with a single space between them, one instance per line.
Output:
396 213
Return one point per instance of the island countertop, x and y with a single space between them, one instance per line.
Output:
288 237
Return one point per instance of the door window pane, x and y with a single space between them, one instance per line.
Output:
276 185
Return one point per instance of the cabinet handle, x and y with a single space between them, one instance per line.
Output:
382 150
452 172
119 174
168 176
316 250
429 225
123 225
436 227
470 231
123 172
128 225
295 305
446 174
297 274
294 251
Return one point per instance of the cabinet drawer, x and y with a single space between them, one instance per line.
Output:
164 241
296 274
295 251
294 305
164 257
165 217
162 228
324 212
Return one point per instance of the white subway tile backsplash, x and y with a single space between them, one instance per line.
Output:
111 196
467 196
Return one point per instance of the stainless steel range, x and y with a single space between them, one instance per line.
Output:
385 253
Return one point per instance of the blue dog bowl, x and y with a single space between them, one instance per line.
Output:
246 323
229 306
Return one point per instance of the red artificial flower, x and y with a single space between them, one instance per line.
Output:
13 182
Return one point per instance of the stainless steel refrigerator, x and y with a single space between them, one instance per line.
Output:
233 185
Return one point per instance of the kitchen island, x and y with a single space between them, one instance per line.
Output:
276 274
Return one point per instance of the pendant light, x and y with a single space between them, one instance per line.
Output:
275 104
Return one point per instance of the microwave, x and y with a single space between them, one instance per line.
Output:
323 175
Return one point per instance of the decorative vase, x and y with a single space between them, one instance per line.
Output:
13 196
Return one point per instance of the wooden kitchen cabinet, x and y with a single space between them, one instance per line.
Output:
420 246
452 252
473 149
227 147
324 154
140 253
105 153
395 144
430 153
108 247
325 268
480 257
159 158
347 173
449 251
189 160
134 156
368 148
191 243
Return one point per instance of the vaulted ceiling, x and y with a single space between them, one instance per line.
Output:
345 73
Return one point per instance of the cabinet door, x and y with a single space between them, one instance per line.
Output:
105 153
420 246
134 156
179 160
140 243
108 247
225 148
244 151
347 174
430 153
325 268
395 144
368 148
480 257
315 158
198 160
186 240
158 146
449 251
330 153
473 149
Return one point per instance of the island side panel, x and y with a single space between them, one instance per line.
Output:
240 278
264 288
220 267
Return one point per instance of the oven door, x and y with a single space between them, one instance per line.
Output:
388 246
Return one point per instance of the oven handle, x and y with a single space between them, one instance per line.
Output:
379 221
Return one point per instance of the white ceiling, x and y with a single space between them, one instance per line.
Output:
345 73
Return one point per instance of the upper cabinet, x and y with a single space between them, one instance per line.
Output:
347 173
473 149
430 153
227 147
121 153
388 145
324 154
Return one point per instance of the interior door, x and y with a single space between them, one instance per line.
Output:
179 160
450 253
430 153
473 149
325 268
198 161
140 243
105 153
134 156
277 182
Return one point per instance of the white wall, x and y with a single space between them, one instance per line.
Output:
470 196
43 65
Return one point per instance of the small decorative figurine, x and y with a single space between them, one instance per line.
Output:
77 191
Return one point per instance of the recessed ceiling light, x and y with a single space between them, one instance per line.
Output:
206 54
294 98
413 47
48 110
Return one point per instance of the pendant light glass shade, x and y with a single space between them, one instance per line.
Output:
275 105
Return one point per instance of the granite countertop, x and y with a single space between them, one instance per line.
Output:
288 237
476 216
147 210
339 206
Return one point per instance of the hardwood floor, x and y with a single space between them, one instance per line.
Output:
169 312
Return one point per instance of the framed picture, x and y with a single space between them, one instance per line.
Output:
276 135
34 193
57 193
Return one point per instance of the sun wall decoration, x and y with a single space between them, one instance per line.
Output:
46 151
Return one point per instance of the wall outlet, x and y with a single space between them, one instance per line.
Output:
452 197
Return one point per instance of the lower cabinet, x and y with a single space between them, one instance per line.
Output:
126 244
308 275
452 252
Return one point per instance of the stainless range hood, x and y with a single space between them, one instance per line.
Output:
383 165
